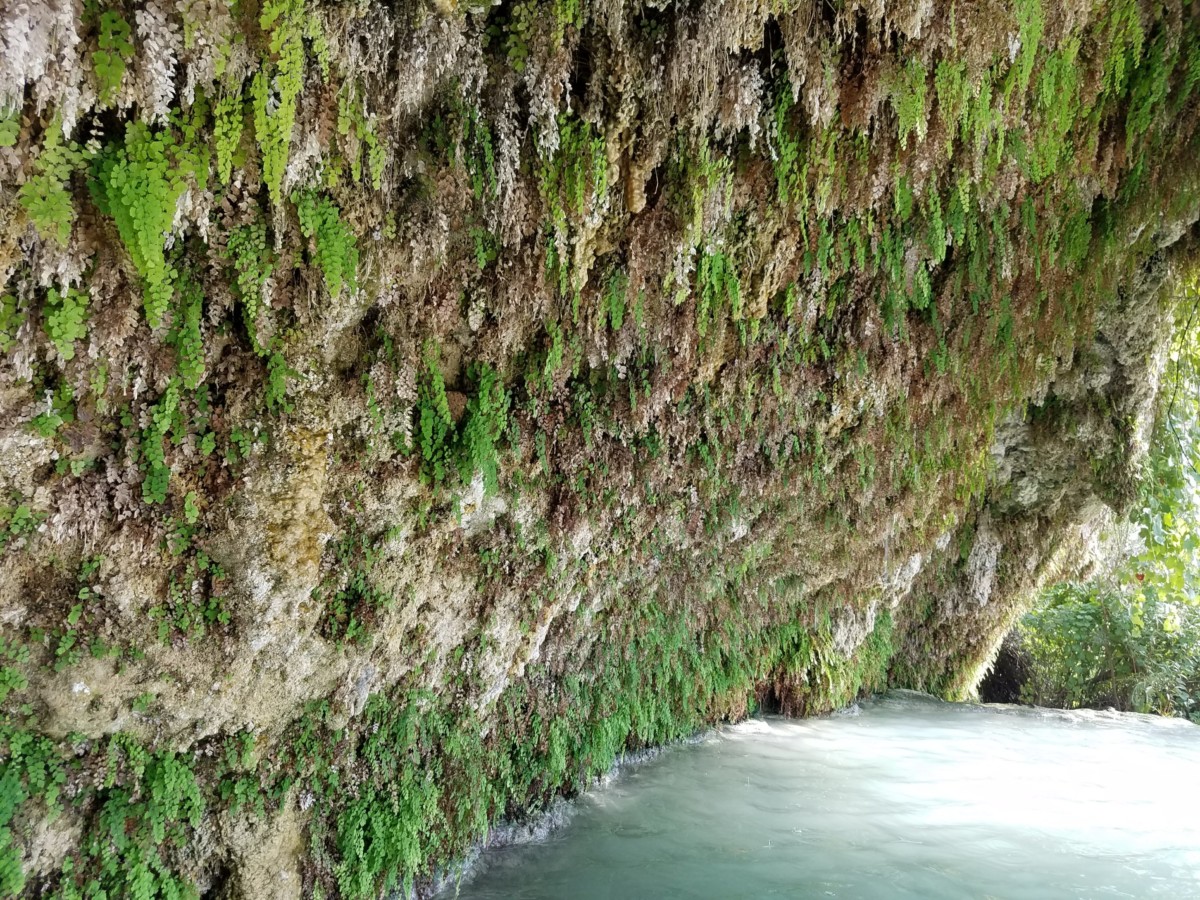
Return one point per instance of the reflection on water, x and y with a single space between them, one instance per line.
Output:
910 798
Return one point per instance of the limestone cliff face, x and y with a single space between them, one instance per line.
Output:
406 409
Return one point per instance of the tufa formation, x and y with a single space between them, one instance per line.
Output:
407 408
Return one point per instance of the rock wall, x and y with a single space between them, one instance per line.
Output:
406 409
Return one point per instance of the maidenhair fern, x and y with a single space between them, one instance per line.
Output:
352 118
576 175
137 185
486 419
479 152
1031 24
247 249
554 356
335 250
10 127
45 196
114 54
158 473
185 334
32 768
1058 89
786 149
11 320
953 97
613 300
1126 38
434 424
522 19
59 409
276 88
935 241
227 132
717 284
1150 85
277 379
140 822
66 315
907 93
471 448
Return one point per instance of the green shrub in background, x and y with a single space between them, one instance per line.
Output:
1100 644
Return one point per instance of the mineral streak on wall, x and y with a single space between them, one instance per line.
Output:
406 408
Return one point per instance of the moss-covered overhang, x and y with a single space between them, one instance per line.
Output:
405 409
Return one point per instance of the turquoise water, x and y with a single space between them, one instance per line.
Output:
905 797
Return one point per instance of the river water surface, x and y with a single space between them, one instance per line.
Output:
904 797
